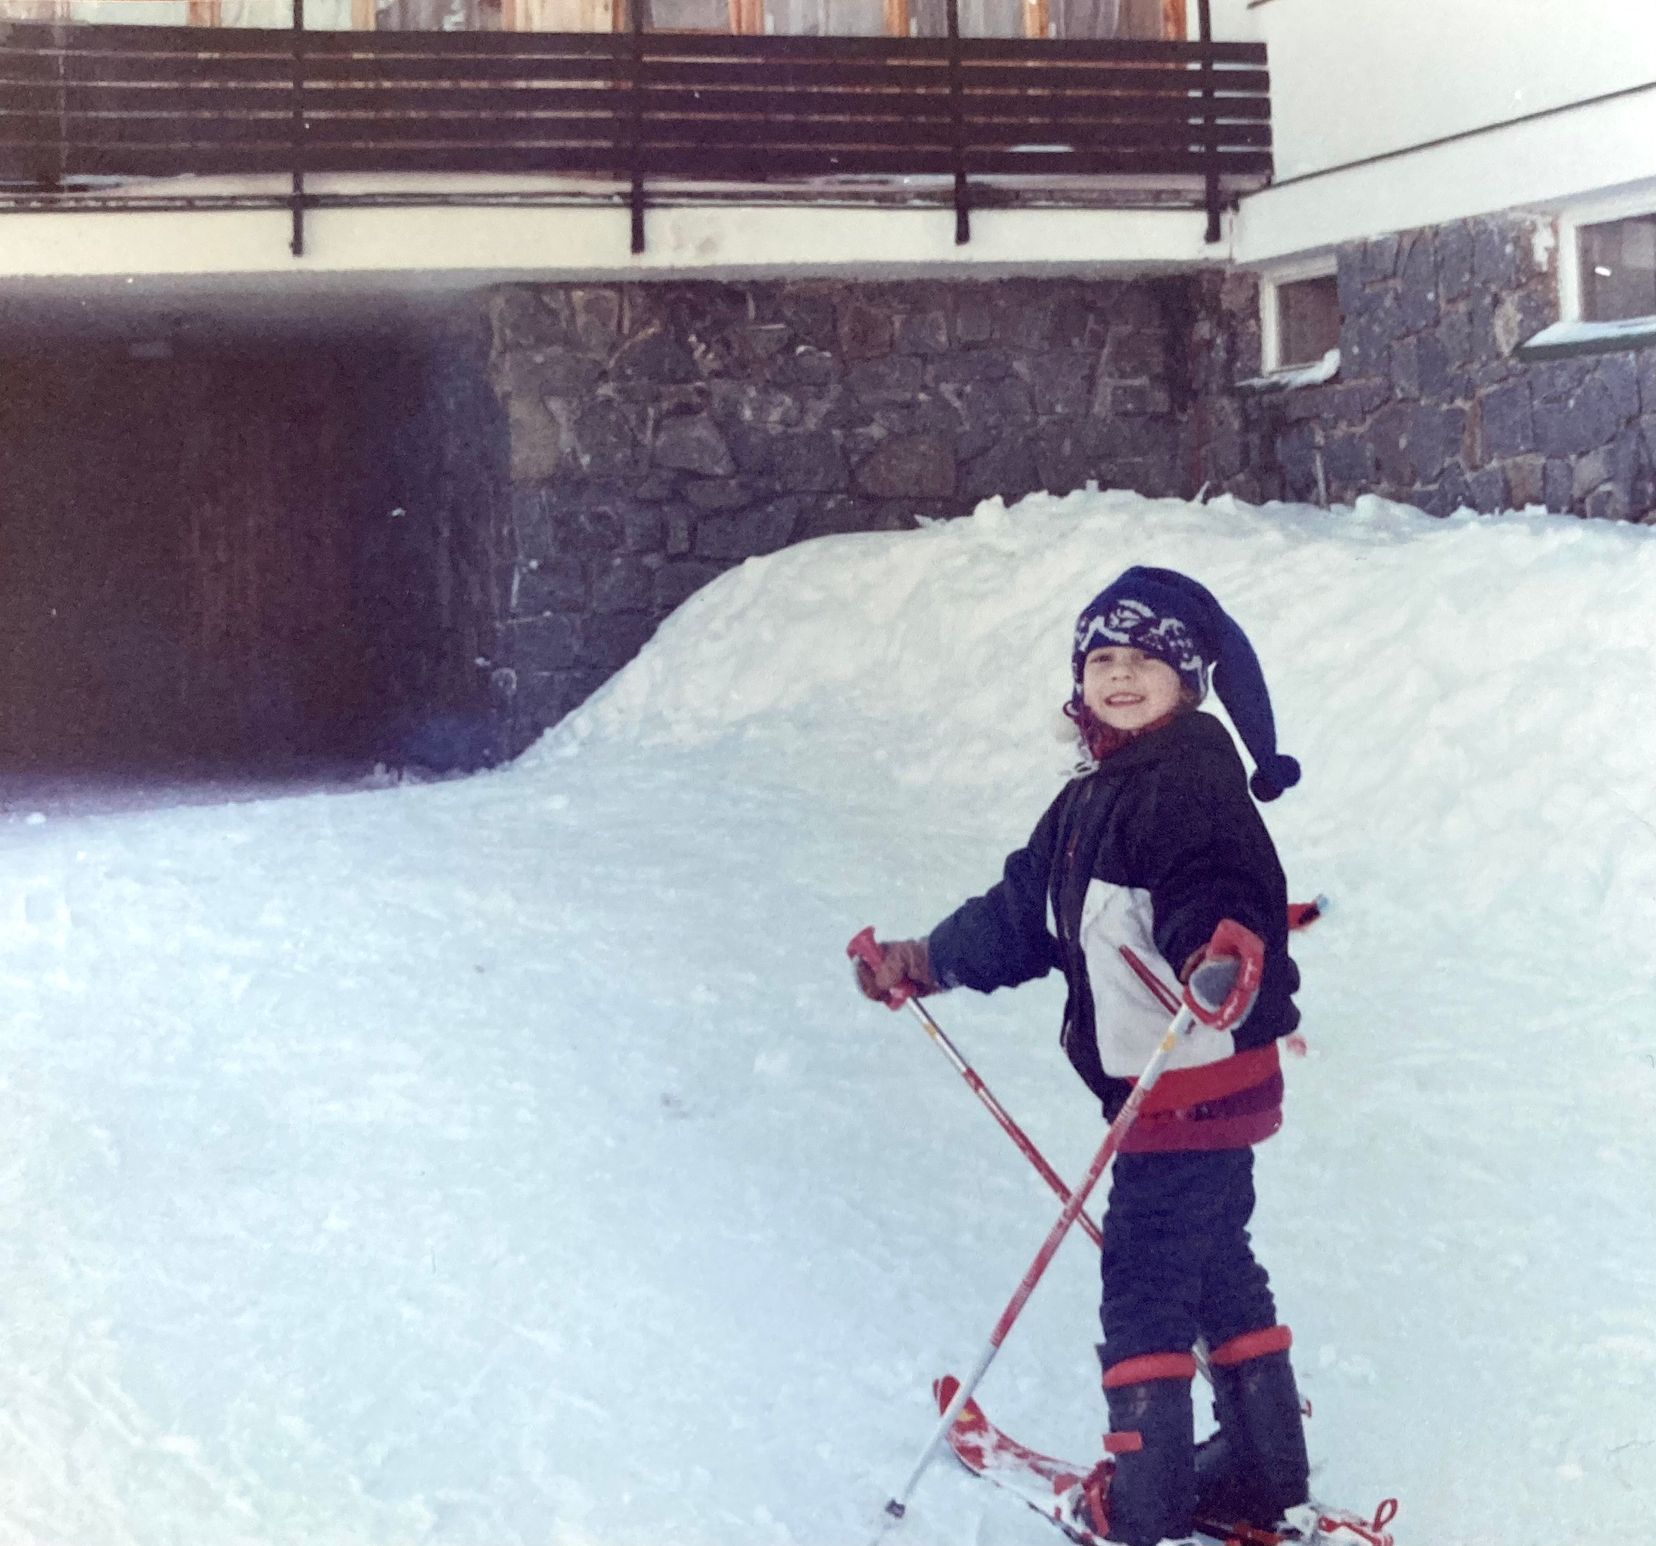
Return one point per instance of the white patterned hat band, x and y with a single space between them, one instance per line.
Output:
1131 624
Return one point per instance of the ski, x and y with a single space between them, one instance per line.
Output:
1044 1483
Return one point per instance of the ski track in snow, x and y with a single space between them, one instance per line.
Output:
508 1161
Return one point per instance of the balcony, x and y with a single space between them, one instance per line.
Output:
103 115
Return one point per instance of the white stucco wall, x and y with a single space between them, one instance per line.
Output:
473 245
1355 79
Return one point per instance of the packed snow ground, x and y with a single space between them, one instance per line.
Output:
508 1162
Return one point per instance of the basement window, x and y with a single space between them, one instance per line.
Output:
1606 284
1300 322
1618 269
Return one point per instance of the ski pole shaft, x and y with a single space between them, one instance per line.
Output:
864 948
897 1506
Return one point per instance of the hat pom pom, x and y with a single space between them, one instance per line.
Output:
1273 776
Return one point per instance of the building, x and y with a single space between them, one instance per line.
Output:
557 310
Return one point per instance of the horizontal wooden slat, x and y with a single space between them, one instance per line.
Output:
143 101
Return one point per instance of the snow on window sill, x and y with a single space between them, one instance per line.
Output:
1564 339
1323 370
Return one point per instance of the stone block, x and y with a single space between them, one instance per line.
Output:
622 585
536 438
655 356
1453 489
754 402
681 525
531 522
1454 262
555 584
1378 257
643 529
837 514
1434 376
1133 354
1405 367
1435 435
546 643
1619 374
1389 437
809 311
974 322
1526 481
1006 468
1507 421
810 462
1349 461
595 319
1348 279
806 368
864 333
1486 490
1647 381
1590 420
1417 293
909 466
692 443
1454 335
1607 504
586 528
605 446
985 410
1589 472
922 332
608 640
1069 453
1060 383
1557 485
718 493
1495 253
894 379
527 317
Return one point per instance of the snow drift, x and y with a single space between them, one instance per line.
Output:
508 1161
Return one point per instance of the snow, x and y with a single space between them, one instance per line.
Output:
508 1160
1314 374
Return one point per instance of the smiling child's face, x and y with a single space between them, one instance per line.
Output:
1128 689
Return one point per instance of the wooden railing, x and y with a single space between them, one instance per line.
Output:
80 104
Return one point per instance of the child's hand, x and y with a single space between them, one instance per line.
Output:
902 963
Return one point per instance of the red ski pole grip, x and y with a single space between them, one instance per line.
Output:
1225 982
865 948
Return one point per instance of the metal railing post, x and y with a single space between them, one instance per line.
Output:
635 119
957 116
296 243
1210 124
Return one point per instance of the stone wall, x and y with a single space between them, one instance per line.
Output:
662 433
1431 405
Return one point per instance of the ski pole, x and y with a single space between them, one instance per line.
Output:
1220 992
863 948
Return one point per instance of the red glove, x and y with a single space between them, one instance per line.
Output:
902 963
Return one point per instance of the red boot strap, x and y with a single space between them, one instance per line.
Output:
1152 1366
1123 1443
1372 1534
1251 1344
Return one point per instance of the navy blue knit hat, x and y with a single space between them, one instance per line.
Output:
1168 615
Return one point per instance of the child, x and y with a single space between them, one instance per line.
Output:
1146 851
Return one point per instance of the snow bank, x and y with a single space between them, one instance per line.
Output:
1470 698
507 1162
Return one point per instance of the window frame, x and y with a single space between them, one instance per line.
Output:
1271 283
1571 223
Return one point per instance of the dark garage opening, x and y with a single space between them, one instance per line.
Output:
249 549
